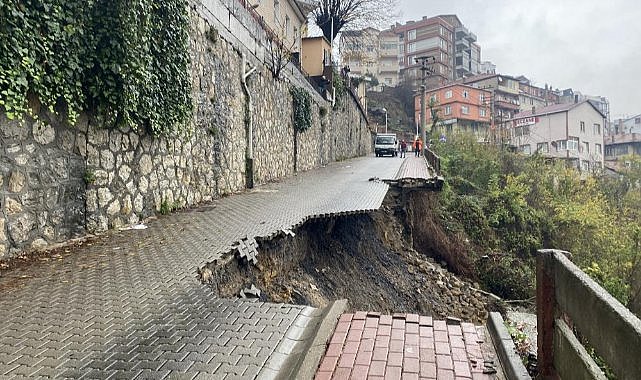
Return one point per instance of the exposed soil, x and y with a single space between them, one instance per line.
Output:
369 259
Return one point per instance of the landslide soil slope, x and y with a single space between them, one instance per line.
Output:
368 259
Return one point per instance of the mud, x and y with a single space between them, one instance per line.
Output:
373 260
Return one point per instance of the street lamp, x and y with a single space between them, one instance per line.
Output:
385 110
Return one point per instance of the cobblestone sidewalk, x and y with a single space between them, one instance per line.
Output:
128 305
368 345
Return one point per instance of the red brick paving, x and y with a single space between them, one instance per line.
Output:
368 345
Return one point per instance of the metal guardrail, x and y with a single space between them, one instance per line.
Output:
433 160
569 301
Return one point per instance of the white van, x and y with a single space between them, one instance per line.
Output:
386 143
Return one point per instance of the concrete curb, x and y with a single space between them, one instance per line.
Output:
311 358
510 360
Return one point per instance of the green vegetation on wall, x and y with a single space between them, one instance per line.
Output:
302 105
124 60
509 205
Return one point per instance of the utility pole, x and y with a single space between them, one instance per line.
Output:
425 71
492 116
385 110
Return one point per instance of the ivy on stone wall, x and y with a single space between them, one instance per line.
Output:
126 61
302 105
340 89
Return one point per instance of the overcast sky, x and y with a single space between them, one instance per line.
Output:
593 46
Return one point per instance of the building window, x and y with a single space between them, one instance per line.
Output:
448 110
637 120
526 149
287 25
597 148
573 143
596 129
561 145
482 98
433 98
582 127
448 94
586 147
482 112
465 110
411 47
411 34
585 166
276 10
465 94
388 81
542 147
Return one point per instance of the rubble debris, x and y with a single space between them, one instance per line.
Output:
252 292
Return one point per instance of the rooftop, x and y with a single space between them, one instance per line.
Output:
554 108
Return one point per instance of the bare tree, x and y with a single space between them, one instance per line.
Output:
278 55
333 16
279 50
436 117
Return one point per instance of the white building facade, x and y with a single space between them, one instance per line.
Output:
572 132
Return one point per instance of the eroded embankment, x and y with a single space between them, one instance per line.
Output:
378 261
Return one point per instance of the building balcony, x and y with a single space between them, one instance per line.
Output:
462 44
462 60
508 90
506 104
389 69
461 32
462 72
623 139
464 33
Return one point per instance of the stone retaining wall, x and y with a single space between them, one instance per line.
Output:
59 181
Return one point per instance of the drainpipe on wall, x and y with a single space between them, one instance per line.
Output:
249 159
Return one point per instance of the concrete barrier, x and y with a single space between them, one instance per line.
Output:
568 300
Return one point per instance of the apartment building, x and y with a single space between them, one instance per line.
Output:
487 67
624 140
462 108
534 96
428 37
286 19
571 131
601 102
392 54
504 99
452 46
316 54
618 146
372 52
388 67
627 125
467 56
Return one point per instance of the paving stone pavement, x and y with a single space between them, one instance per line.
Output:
368 345
128 305
414 168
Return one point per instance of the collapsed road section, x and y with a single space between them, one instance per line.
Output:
276 210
